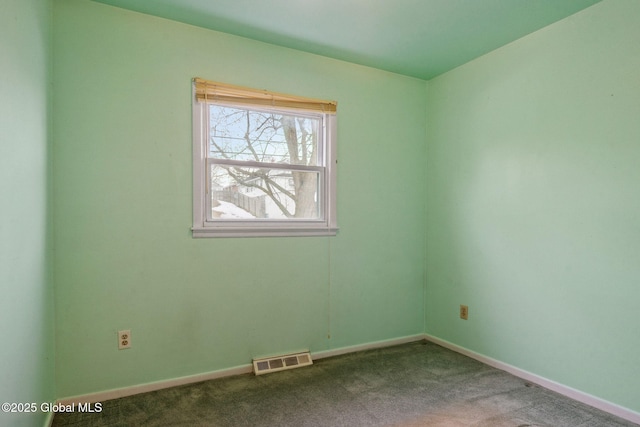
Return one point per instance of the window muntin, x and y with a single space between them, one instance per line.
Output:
262 170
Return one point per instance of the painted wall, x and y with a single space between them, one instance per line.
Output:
533 208
26 304
124 254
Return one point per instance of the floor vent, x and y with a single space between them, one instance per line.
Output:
280 363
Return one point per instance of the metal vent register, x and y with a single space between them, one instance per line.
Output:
280 363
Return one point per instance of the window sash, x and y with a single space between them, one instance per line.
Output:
322 141
321 193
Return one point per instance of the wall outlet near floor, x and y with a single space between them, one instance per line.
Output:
464 312
124 339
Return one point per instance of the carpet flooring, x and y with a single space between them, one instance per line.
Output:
410 385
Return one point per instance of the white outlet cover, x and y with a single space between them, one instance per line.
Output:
124 339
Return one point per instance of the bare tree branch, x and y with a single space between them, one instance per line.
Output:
245 176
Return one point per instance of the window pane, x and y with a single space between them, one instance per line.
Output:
261 136
263 193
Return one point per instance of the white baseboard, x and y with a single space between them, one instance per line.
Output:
368 346
158 385
569 392
243 369
574 394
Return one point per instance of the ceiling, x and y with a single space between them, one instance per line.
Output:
419 38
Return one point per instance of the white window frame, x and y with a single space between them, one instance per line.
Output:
204 226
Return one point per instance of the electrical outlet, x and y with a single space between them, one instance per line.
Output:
464 312
124 339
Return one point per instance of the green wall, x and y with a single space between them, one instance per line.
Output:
533 203
26 304
124 254
529 194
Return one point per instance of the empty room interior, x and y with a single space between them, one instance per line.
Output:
487 160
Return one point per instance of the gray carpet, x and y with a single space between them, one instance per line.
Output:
417 384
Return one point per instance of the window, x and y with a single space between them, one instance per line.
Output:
264 163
